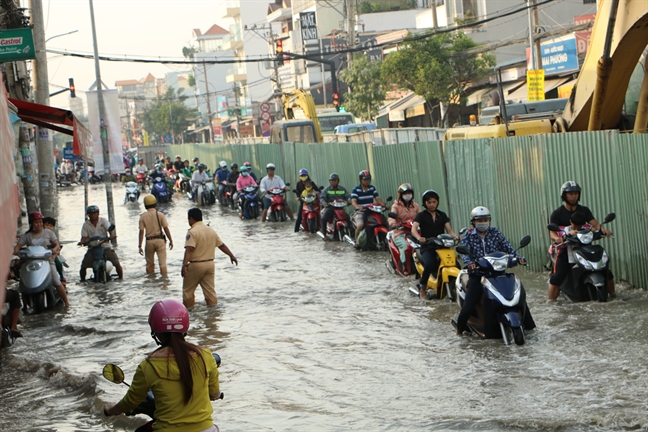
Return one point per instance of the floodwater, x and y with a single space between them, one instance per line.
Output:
316 336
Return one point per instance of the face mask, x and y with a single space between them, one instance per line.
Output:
303 178
482 226
244 174
309 188
407 198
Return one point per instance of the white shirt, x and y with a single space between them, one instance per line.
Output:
88 230
141 169
275 182
67 168
199 177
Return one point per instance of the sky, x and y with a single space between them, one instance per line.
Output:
136 28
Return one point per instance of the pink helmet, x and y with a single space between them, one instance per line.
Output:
169 316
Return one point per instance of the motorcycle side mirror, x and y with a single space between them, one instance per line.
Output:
389 199
553 227
111 228
321 188
609 218
462 231
113 373
217 358
294 191
525 241
287 184
463 250
392 215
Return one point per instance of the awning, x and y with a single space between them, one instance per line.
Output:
476 97
44 116
520 95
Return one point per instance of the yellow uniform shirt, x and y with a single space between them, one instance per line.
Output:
149 222
204 240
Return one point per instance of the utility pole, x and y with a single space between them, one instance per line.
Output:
102 126
237 110
44 144
28 176
531 45
435 22
351 24
209 111
537 41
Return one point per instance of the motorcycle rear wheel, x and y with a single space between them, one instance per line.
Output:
282 215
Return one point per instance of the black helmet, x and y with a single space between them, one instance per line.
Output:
334 176
569 186
430 193
234 165
405 187
92 209
364 174
195 159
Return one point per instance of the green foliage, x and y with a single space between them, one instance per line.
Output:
168 113
191 80
366 7
188 52
435 67
367 88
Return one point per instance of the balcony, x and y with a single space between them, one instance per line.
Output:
232 9
235 40
280 15
236 74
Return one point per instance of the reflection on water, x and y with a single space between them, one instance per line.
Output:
316 336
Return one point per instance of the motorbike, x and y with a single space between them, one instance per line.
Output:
36 288
377 224
337 227
204 193
132 192
182 183
141 181
587 280
310 213
441 283
101 268
395 262
115 374
249 202
277 210
501 310
227 198
6 337
160 190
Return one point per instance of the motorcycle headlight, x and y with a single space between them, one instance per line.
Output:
584 263
34 266
499 264
448 243
586 238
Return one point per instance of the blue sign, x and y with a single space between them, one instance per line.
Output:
68 153
559 56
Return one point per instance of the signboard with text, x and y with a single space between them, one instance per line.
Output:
559 55
535 85
308 25
16 44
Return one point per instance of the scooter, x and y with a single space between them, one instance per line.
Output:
377 224
337 227
38 292
101 268
441 284
310 213
399 268
160 190
227 198
141 181
587 280
501 310
132 192
204 193
277 210
249 203
115 374
182 183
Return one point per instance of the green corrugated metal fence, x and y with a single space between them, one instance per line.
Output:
517 178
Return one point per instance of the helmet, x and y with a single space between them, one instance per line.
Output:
569 186
178 157
195 159
223 164
92 209
149 200
270 166
334 176
430 193
35 216
479 213
247 164
303 172
364 174
405 187
158 166
234 165
169 316
186 160
243 169
202 165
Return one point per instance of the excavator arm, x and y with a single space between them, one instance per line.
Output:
299 105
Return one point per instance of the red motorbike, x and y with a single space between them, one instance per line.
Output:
376 225
399 268
337 227
141 181
310 213
277 210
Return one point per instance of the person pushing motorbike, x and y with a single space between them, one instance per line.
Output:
570 193
96 226
362 196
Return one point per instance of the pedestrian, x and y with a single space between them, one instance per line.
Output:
198 262
154 222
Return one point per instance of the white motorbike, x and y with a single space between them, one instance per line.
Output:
38 292
205 193
132 192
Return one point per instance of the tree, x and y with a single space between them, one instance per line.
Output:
191 80
435 67
168 114
367 88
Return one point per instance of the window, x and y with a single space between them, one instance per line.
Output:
328 123
589 1
301 133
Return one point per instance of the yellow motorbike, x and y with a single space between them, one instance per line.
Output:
441 283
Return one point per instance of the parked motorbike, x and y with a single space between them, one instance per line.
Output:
101 268
115 374
395 262
310 213
277 210
587 280
38 292
337 228
501 310
249 202
160 190
132 192
378 225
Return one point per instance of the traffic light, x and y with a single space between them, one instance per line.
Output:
336 101
72 91
280 57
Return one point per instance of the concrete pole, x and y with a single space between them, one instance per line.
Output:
209 111
44 144
435 22
28 176
103 129
351 24
537 41
531 45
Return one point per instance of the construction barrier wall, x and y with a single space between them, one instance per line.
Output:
517 178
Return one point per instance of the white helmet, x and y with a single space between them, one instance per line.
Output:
270 166
223 164
480 212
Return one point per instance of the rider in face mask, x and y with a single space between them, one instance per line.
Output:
301 185
482 240
406 209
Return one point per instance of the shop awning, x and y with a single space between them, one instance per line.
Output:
48 117
520 95
476 97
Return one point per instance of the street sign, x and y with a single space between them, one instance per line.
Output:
535 85
16 44
265 106
265 115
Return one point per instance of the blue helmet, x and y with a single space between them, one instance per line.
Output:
303 172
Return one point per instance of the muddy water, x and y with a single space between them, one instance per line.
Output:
316 336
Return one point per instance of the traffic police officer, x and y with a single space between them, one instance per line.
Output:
198 262
153 222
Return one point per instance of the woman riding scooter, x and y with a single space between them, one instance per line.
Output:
301 185
406 209
182 376
433 222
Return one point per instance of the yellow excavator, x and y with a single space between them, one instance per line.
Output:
619 36
299 105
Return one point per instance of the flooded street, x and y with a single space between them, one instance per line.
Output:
315 336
